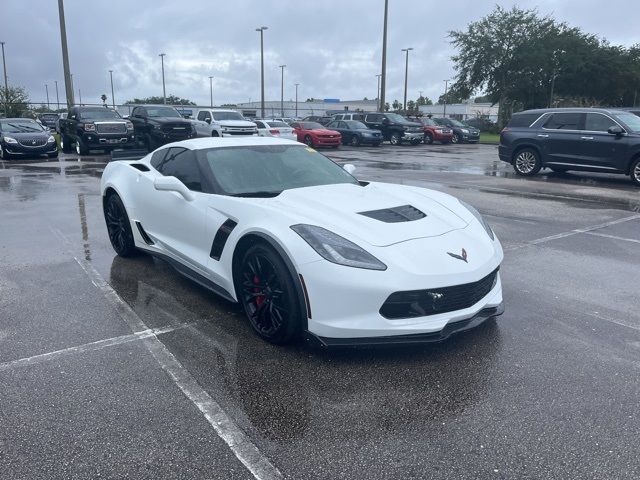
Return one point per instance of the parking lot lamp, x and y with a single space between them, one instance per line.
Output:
46 89
406 76
444 111
57 96
6 84
282 67
378 94
297 99
211 91
383 71
261 30
164 92
68 82
113 97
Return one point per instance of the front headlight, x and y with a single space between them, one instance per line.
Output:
476 214
51 139
10 140
464 130
336 249
129 125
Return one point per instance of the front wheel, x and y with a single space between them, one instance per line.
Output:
395 139
266 290
428 138
119 227
308 140
81 147
456 138
634 173
355 141
527 162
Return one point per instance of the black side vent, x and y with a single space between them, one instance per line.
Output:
143 234
404 213
139 166
221 238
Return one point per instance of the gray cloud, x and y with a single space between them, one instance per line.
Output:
332 48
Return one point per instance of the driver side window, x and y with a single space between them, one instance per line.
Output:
182 164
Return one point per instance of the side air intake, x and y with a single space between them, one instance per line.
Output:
404 213
221 237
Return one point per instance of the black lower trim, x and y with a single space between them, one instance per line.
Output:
143 234
449 329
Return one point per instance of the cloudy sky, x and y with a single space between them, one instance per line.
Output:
332 48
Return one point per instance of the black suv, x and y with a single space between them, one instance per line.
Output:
562 139
395 128
156 125
461 133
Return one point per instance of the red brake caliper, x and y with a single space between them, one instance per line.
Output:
260 298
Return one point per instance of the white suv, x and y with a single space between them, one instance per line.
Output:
230 123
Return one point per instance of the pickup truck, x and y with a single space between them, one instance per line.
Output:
395 128
156 125
229 122
94 128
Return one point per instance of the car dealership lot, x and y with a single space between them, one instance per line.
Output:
118 367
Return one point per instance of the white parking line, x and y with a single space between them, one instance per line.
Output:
613 237
239 443
87 347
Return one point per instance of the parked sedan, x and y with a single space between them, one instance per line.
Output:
461 133
316 135
23 137
356 133
274 128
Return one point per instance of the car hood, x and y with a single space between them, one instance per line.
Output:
169 120
235 123
324 131
338 208
27 136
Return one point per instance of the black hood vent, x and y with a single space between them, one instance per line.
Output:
404 213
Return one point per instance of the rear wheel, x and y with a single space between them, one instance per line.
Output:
267 293
395 139
65 144
119 227
634 173
308 140
355 141
527 162
428 138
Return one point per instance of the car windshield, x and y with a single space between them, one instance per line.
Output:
163 112
429 121
227 116
394 117
99 114
311 125
267 170
354 124
20 126
630 120
457 123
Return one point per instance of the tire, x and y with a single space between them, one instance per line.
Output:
355 141
81 147
428 138
455 139
634 172
4 155
395 139
214 134
527 162
65 144
53 155
308 141
119 227
267 293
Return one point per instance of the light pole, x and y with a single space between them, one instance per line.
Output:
261 30
297 100
68 85
46 89
211 90
113 97
444 111
282 67
378 94
57 96
406 76
6 84
164 92
80 96
383 71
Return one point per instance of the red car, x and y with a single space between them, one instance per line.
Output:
434 132
316 135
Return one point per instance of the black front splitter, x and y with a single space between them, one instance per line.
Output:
450 329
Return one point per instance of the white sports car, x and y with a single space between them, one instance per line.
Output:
305 247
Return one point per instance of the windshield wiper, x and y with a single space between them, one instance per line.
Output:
258 194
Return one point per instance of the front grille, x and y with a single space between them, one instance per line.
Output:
176 128
34 142
327 136
111 127
404 213
421 303
233 132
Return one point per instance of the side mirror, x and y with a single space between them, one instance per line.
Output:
385 121
208 120
350 168
615 130
172 184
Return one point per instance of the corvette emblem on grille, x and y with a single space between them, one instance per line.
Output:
462 256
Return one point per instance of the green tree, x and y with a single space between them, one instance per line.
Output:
171 100
387 107
15 101
396 105
424 101
411 105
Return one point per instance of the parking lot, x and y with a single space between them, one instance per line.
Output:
121 368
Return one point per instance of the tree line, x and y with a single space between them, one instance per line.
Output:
522 60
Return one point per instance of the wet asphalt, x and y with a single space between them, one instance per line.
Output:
548 391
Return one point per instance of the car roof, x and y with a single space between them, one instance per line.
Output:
214 142
16 118
540 111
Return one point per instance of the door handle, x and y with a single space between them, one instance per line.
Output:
586 138
543 135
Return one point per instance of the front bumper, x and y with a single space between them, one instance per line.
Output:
471 137
239 134
442 137
371 139
327 142
412 136
26 151
504 153
106 140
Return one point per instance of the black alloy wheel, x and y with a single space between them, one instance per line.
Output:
267 293
119 227
81 147
308 140
428 138
355 140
